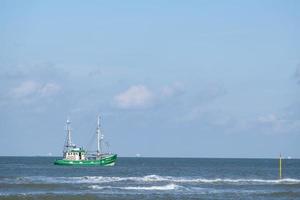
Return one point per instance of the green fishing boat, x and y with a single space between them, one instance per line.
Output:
78 156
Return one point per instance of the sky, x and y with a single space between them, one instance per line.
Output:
169 78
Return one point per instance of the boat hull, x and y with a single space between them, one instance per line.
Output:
105 161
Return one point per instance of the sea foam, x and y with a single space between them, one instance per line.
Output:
162 187
143 179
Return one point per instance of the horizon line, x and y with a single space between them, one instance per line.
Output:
181 157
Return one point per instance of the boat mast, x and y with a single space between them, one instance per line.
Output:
69 141
99 137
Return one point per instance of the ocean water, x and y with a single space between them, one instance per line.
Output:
150 178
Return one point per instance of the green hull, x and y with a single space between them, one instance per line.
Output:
106 161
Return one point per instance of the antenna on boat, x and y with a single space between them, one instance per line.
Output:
99 137
68 142
68 128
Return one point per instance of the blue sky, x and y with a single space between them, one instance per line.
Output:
170 78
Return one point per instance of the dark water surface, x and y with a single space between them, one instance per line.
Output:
150 178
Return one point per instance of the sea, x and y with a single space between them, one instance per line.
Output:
150 178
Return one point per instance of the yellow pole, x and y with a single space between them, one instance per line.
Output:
280 167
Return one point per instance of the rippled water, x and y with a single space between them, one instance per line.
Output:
150 178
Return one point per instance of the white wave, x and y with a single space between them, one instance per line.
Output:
143 179
97 187
163 187
151 178
102 179
239 181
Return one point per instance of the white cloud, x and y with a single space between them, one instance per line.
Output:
50 89
25 89
271 118
33 89
137 96
140 96
274 124
172 90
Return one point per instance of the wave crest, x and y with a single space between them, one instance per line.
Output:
142 179
162 187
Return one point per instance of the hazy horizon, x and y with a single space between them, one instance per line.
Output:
186 157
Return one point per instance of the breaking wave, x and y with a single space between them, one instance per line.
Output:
240 181
142 179
163 187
